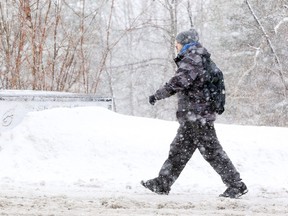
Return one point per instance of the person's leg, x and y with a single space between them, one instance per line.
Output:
214 154
181 150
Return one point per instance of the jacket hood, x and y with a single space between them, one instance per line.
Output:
194 47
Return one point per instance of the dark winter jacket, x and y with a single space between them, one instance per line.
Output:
189 84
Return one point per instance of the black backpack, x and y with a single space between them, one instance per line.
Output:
214 86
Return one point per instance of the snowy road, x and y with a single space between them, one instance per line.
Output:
90 201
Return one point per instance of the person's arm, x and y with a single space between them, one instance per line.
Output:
185 76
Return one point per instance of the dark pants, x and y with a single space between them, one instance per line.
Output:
193 135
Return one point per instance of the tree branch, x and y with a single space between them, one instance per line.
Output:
281 74
189 11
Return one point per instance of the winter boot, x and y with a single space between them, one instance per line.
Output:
154 186
235 191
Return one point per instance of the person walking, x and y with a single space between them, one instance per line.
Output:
196 117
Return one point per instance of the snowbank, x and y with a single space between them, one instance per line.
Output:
81 152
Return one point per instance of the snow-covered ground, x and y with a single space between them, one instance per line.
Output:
90 161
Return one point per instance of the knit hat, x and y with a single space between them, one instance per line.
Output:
186 37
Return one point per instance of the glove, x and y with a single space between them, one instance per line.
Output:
220 110
152 99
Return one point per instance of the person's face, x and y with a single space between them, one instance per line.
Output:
178 46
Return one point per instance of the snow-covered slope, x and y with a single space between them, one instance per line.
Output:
107 153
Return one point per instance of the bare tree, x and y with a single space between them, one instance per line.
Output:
270 44
125 49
